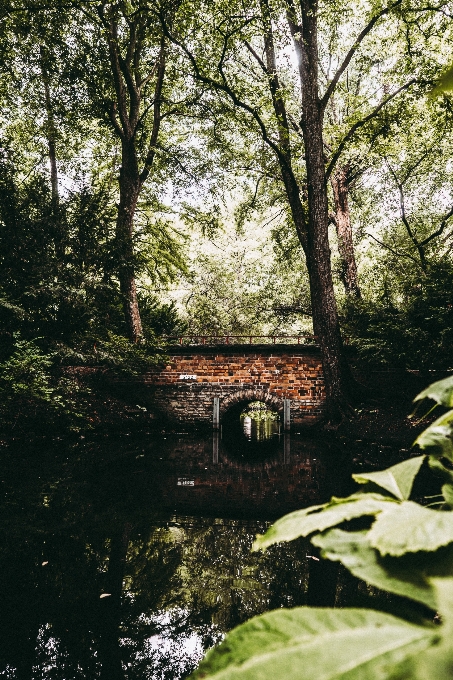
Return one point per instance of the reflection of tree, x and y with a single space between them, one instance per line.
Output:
227 584
110 607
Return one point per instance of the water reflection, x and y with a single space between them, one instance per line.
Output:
125 561
260 430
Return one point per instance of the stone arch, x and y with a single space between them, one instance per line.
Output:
234 403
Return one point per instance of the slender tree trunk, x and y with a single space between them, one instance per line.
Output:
130 186
342 221
110 606
51 131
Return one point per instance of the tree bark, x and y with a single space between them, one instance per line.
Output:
342 222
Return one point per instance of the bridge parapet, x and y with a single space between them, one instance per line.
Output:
185 388
216 340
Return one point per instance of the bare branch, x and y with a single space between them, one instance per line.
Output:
395 252
334 82
257 57
440 230
362 122
114 120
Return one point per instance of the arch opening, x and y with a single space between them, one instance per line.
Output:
250 422
259 421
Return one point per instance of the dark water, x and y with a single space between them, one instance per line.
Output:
128 559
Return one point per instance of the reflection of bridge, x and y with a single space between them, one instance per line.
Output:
207 383
210 475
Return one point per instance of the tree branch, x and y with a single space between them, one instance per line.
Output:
440 230
395 252
334 82
257 57
157 115
225 88
274 83
362 122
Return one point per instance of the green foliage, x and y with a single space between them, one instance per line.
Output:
259 412
160 318
402 547
397 480
32 393
411 325
407 576
445 83
124 358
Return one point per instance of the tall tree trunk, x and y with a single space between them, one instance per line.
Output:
110 608
311 225
130 185
51 131
325 316
342 222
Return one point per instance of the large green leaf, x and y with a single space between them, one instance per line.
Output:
437 438
447 492
406 576
440 391
409 527
321 517
436 662
397 480
444 84
308 643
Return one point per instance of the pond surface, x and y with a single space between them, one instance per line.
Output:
128 559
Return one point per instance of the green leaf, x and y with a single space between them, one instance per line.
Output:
406 576
321 517
437 438
447 492
444 84
409 527
436 662
307 643
440 391
397 480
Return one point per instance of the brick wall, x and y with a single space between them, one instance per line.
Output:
184 389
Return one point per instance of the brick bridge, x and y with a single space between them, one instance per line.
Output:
208 384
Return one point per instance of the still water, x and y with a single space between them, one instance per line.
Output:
128 559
